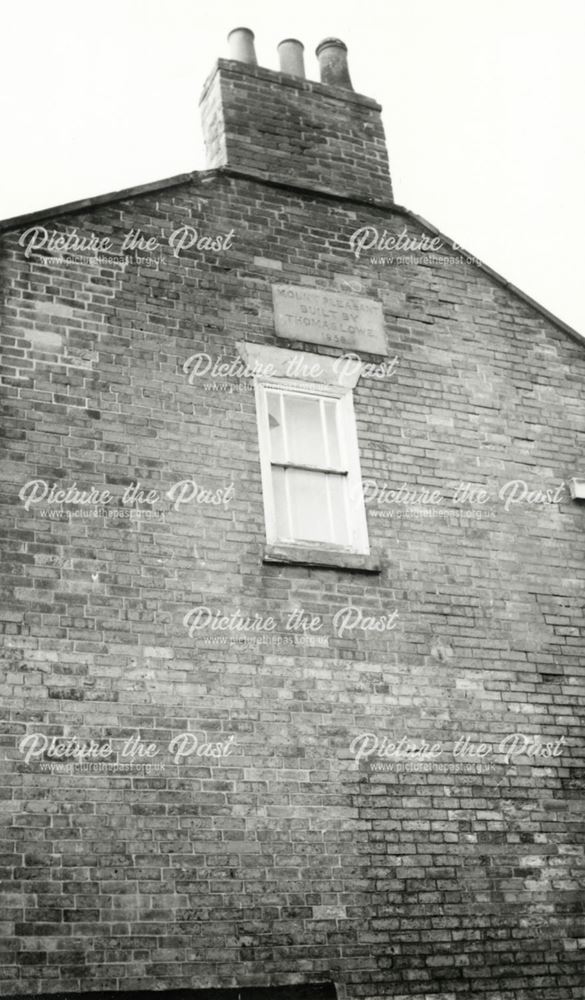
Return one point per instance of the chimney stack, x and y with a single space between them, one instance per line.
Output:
290 53
281 127
332 56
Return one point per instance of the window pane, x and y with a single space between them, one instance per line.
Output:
337 486
316 504
304 431
280 504
308 499
275 426
332 434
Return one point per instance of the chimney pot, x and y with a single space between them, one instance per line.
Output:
241 42
332 56
290 53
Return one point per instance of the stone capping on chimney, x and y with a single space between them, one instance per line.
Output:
287 80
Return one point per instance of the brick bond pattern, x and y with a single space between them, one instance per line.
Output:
285 862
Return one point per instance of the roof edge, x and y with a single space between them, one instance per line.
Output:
6 225
39 215
499 278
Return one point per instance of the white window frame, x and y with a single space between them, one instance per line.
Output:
348 443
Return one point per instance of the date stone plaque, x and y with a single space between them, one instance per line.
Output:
332 318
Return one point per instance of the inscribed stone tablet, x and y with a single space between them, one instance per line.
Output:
331 318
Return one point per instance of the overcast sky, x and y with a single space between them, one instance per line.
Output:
483 109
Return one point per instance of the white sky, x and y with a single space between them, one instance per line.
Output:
483 109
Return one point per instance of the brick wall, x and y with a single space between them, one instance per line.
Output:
282 128
270 857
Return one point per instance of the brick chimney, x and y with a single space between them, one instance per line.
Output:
280 126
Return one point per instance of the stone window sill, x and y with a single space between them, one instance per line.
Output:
297 555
